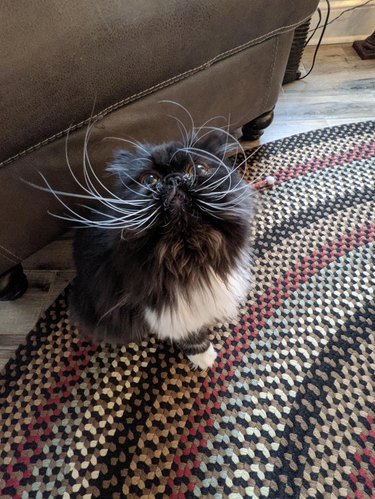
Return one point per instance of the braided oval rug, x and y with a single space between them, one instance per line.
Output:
288 409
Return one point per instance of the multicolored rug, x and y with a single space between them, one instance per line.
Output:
288 410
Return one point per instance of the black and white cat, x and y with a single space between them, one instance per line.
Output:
167 250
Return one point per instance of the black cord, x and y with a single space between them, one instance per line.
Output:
315 29
326 23
320 40
337 17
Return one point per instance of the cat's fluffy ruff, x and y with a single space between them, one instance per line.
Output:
176 258
211 300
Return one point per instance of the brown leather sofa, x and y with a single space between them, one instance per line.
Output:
60 60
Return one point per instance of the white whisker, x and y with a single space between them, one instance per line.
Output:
112 309
195 134
222 206
86 172
217 183
205 154
152 220
119 223
182 128
212 157
228 135
71 169
62 202
112 223
222 194
133 191
239 146
111 200
136 145
92 197
166 101
131 214
210 212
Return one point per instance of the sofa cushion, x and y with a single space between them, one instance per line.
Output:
59 57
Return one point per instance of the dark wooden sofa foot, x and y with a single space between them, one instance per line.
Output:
254 129
366 48
13 284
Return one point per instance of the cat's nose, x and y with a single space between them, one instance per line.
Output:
173 180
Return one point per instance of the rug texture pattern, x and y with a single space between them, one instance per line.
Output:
288 409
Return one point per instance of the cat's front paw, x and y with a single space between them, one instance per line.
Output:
204 360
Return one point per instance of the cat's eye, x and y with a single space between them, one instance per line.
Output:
149 179
199 169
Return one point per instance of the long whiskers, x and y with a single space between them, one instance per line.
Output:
174 103
136 145
133 223
215 194
120 214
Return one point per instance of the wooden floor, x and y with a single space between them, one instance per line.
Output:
341 89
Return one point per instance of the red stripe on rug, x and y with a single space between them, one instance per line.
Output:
45 412
360 151
269 303
77 360
365 456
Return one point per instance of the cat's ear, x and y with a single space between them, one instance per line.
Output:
122 156
121 159
218 142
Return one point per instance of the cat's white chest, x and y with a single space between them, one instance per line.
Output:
206 305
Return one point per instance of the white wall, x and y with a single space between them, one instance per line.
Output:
354 25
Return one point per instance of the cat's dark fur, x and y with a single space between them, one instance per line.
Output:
174 236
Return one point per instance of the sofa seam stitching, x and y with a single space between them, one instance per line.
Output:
150 90
274 54
5 253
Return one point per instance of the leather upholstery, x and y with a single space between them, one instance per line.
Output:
58 56
216 57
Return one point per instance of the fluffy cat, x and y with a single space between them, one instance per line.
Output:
167 250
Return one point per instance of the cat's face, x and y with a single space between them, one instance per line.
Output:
178 187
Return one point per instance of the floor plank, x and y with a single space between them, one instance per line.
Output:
341 89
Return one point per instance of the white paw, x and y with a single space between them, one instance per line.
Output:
204 360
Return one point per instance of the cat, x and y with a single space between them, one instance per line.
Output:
167 251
